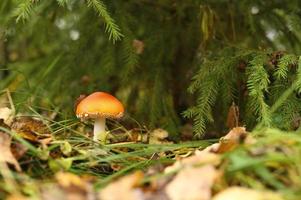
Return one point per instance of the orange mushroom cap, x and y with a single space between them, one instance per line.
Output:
99 104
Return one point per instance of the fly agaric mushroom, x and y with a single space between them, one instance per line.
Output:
99 106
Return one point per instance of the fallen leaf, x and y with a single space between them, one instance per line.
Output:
6 154
18 150
212 148
74 186
200 158
16 197
192 183
66 179
236 193
69 190
32 129
235 137
124 188
7 115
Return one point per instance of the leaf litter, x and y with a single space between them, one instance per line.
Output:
196 172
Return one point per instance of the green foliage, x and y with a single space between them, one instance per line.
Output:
258 82
111 27
268 94
22 12
206 40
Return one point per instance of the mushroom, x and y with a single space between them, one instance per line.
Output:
99 106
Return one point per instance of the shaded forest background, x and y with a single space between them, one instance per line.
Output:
171 62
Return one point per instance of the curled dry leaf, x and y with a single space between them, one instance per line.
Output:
232 139
6 154
32 129
236 193
124 188
192 183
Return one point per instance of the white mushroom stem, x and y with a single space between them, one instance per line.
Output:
99 129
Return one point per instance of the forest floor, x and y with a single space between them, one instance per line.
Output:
45 159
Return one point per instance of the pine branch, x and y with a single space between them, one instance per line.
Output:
206 85
111 27
258 82
282 69
63 2
22 12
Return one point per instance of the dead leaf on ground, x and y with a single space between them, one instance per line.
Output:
230 141
66 179
70 187
124 188
6 154
200 158
16 197
7 115
32 129
192 183
18 150
236 136
236 193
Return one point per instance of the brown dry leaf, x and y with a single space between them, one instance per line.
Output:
233 116
232 139
70 187
200 157
53 191
6 154
236 193
32 129
123 188
18 150
192 183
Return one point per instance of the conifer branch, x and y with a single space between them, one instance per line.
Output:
62 2
258 82
23 11
282 69
111 27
